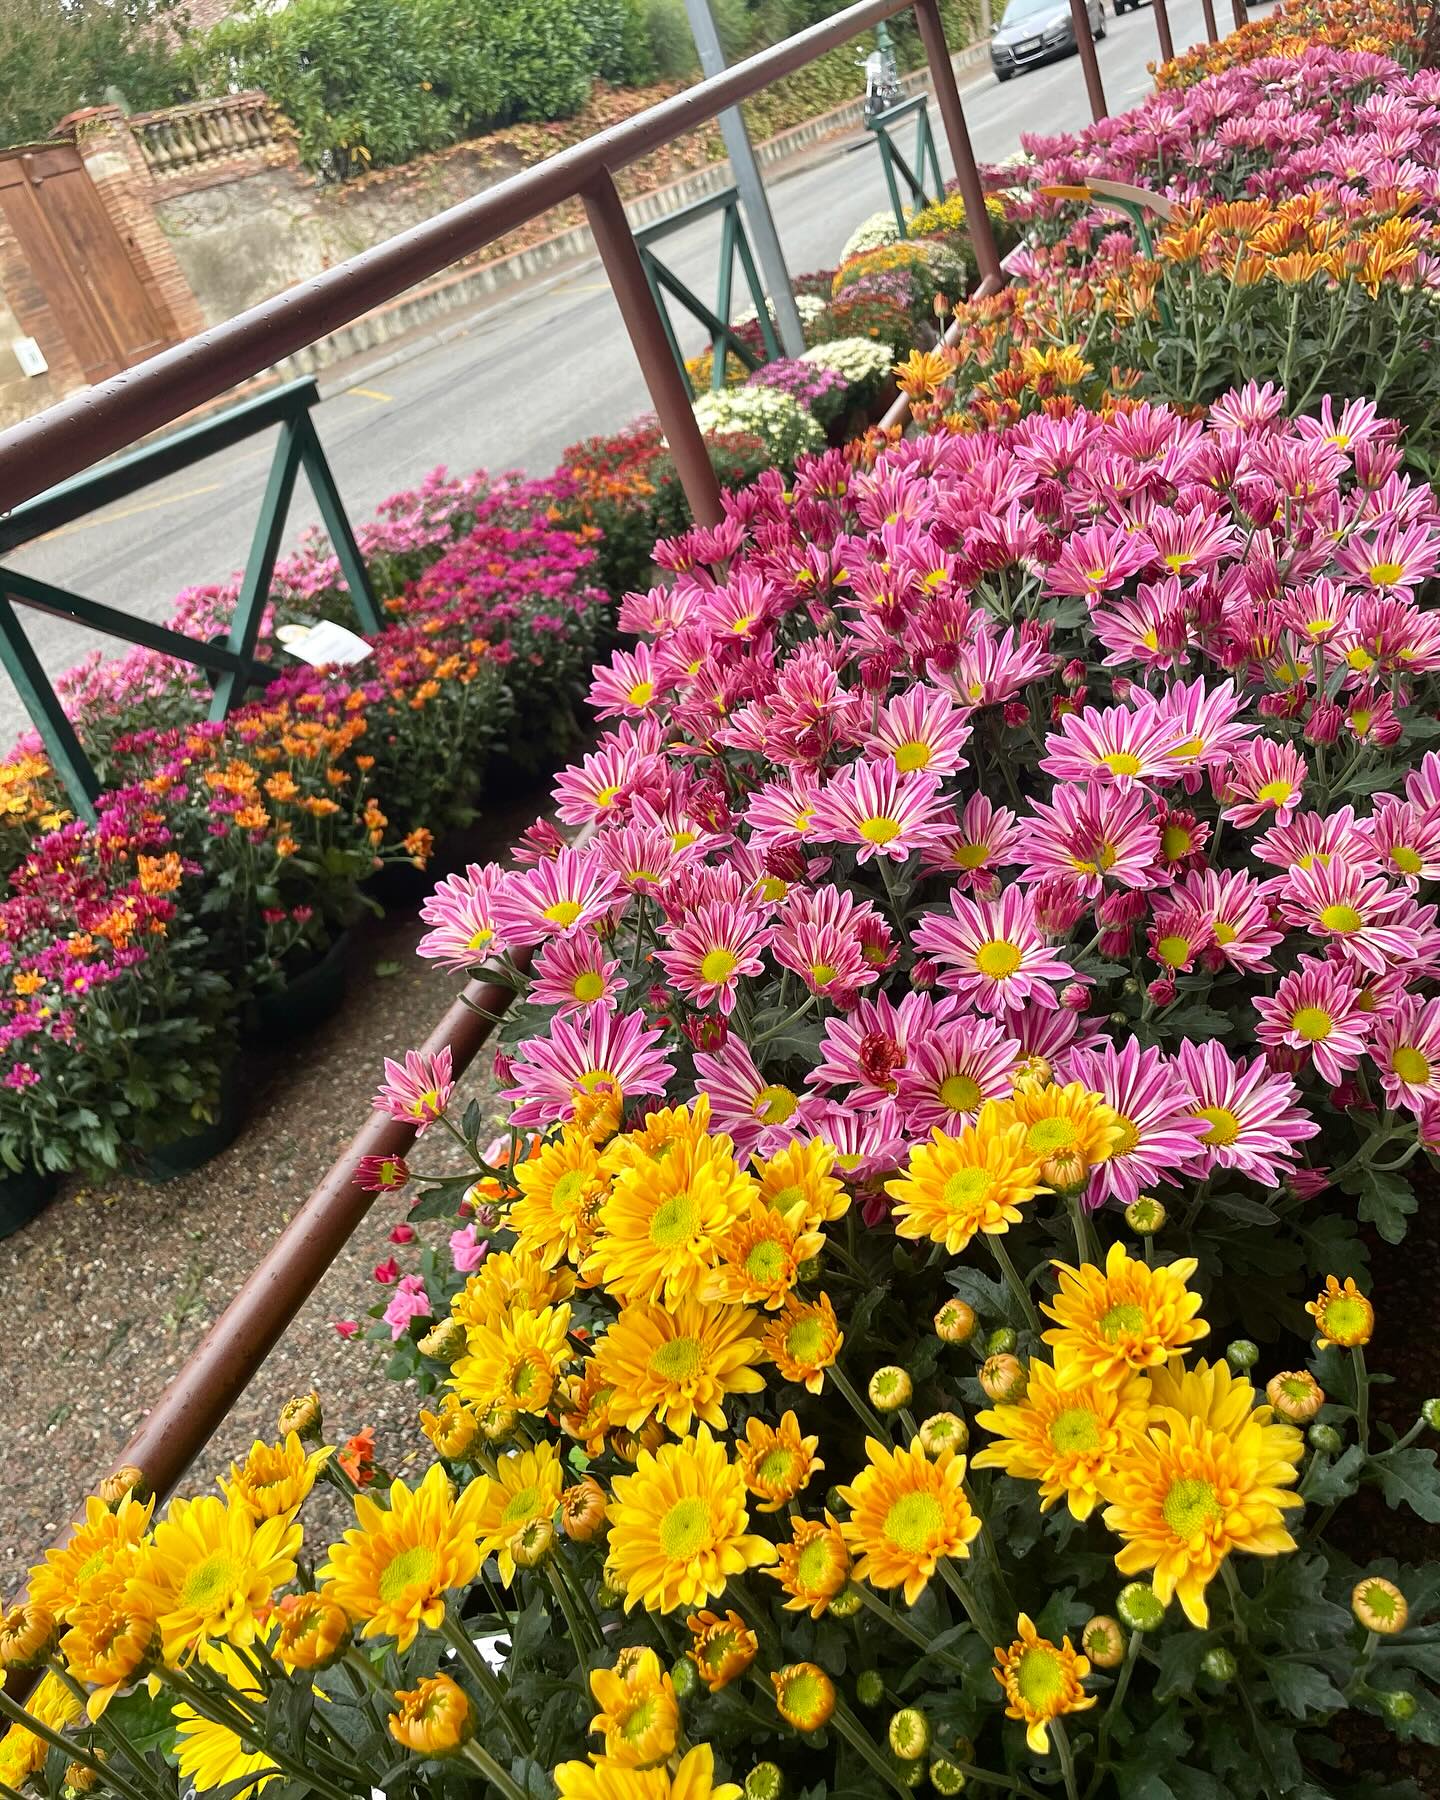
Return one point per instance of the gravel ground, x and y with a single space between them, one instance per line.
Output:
109 1290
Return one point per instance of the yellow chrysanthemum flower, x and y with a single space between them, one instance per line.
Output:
801 1175
907 1510
434 1718
585 1408
777 1461
112 1634
561 1188
639 1714
814 1565
1209 1476
526 1486
663 1131
679 1363
453 1428
955 1186
677 1526
517 1362
22 1753
394 1567
275 1478
1041 1681
211 1755
212 1566
803 1340
759 1257
659 1226
55 1583
1123 1317
1064 1121
1065 1437
724 1647
510 1281
1342 1315
694 1779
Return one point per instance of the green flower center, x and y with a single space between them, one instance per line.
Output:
1046 1136
1406 860
679 1360
1074 1430
1173 950
1040 1678
765 1261
812 1566
968 1188
675 1221
411 1568
803 1341
776 1468
1175 842
775 1103
1124 1317
210 1584
960 1093
1190 1506
521 1506
685 1529
913 1522
1343 919
588 987
567 1189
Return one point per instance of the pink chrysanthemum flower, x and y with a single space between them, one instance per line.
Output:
417 1090
1096 560
710 949
741 607
1186 543
881 812
1114 743
991 952
1091 835
599 784
598 1054
1208 718
1316 1007
1315 840
951 1073
1406 839
1151 629
984 844
865 1049
1253 1118
571 892
761 1116
644 857
629 687
1405 1048
462 912
1251 408
827 958
573 974
1262 779
1361 917
1234 906
866 1144
783 812
1359 422
1393 559
920 729
1179 932
994 666
1318 609
1161 1135
1422 784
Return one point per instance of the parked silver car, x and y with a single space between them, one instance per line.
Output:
1037 31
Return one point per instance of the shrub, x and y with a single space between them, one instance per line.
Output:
59 55
784 425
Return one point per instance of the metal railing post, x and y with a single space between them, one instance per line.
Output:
1089 59
952 113
1162 31
1239 12
1212 30
669 389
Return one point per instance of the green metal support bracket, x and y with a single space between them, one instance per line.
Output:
662 281
233 664
927 159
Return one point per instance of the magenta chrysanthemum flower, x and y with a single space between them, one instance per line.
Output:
1361 917
761 1116
828 958
866 1144
567 893
1309 840
711 948
1161 1137
1250 408
462 911
629 687
1406 839
1264 778
417 1090
1096 560
1152 628
1317 1008
1179 932
1393 559
1186 542
1252 1118
597 785
881 812
1405 1048
573 974
992 954
921 729
865 1049
599 1053
643 856
1091 835
1208 718
994 666
1234 906
783 812
1114 743
985 843
952 1071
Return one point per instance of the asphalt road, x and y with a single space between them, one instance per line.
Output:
527 377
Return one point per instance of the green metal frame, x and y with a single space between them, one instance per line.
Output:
927 158
233 664
662 281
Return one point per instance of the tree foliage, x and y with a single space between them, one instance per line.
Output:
57 55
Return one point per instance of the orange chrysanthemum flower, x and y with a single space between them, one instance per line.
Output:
1041 1681
1127 1316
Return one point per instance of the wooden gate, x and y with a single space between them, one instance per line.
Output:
78 260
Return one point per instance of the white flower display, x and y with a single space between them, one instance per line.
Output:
871 233
809 306
860 360
787 428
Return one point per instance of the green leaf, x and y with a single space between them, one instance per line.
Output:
1410 1478
1180 1658
384 970
1386 1200
1301 1689
1328 1481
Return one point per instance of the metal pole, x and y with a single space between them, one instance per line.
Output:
1212 30
952 114
668 387
752 190
1239 12
1089 60
1162 31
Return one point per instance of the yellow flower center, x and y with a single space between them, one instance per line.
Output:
1410 1065
1122 1317
479 938
1190 1506
588 987
679 1360
1386 574
776 1468
913 1521
775 1104
1175 842
1121 762
642 693
606 796
960 1093
1347 1320
718 965
597 1081
803 1341
968 1188
765 1261
787 1196
566 1191
822 974
685 1528
812 1566
563 912
1341 918
1225 932
406 1570
1406 860
1040 1679
1046 1136
1075 1429
1173 950
1224 1125
998 958
675 1221
969 856
879 831
1277 792
1312 1023
210 1584
911 755
1129 1136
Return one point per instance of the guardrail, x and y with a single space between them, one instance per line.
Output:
177 140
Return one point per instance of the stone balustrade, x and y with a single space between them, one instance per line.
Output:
182 140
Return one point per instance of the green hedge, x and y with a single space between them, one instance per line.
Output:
57 55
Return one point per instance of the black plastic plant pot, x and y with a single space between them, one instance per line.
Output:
24 1197
183 1155
306 1000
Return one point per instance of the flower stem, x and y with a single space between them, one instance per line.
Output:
491 1770
1362 1399
17 1715
1016 1285
1113 1709
898 1622
857 1405
1085 1245
1067 1758
805 1006
211 1706
966 1596
855 1735
487 1681
144 1774
1232 1588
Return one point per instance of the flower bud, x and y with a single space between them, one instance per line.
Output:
946 1777
1162 990
955 1322
870 1687
804 1695
303 1416
1015 713
582 1510
27 1636
1002 1341
909 1734
911 1775
433 1719
314 1632
1004 1379
834 1502
764 1782
943 1431
497 1423
1295 1395
706 1032
1145 1216
1140 1607
1033 1074
1325 1439
684 1678
1103 1642
1430 1413
1242 1355
127 1480
1219 1664
1379 1606
846 1603
924 973
445 1341
1075 996
608 1596
80 1778
1114 942
1065 1173
532 1543
890 1389
1398 1706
